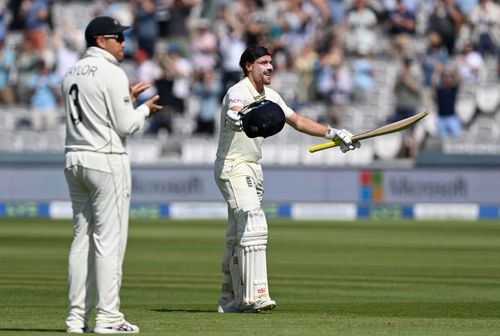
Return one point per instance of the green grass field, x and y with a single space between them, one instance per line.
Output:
337 278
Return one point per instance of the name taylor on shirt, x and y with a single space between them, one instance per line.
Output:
82 70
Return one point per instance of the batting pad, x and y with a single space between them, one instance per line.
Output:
254 273
250 261
252 228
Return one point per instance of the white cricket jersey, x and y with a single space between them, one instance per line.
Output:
236 145
99 110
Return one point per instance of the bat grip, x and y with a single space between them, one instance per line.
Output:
325 145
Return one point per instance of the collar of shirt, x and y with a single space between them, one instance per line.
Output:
98 52
256 95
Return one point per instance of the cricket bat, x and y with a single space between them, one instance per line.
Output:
383 130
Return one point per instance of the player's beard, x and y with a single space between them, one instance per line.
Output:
266 77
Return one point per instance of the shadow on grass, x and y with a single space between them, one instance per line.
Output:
32 330
182 310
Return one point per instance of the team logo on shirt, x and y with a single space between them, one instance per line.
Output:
250 182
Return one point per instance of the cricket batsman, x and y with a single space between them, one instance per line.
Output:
250 112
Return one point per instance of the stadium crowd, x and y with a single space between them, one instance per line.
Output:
325 52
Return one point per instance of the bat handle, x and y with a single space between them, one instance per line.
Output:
325 145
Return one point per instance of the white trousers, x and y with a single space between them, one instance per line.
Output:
242 186
100 201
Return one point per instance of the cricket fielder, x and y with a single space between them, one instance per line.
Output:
239 177
99 116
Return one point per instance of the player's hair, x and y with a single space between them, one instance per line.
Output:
92 42
251 54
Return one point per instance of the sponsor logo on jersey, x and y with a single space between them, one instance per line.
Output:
126 99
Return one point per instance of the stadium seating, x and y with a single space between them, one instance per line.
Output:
478 108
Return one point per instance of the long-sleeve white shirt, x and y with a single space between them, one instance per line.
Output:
99 110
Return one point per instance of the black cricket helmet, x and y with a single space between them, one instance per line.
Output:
262 118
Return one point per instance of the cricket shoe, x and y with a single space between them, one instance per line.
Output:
122 328
226 306
227 309
77 330
261 305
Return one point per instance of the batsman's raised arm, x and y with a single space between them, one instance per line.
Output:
313 128
306 125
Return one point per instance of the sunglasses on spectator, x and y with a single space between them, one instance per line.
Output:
118 37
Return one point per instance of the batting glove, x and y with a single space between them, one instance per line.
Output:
233 120
344 136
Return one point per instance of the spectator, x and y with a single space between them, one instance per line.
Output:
407 93
146 71
44 99
181 70
362 76
360 24
466 6
207 89
109 8
173 87
446 82
401 24
226 22
203 47
26 62
117 10
305 64
485 21
67 51
410 5
251 13
337 11
17 20
7 65
174 26
145 27
435 55
231 46
334 82
162 120
446 20
470 63
3 25
323 76
285 80
340 92
36 16
294 20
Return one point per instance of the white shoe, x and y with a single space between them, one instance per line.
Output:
226 306
261 305
122 328
77 330
227 309
257 307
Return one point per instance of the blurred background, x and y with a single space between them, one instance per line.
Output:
352 64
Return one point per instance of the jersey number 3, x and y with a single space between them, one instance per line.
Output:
76 110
